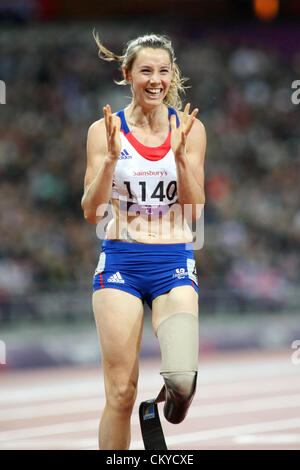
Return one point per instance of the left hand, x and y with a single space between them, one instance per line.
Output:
179 134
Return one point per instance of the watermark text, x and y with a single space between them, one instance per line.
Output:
296 355
296 94
2 352
2 92
163 223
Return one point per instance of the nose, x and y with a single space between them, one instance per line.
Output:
155 79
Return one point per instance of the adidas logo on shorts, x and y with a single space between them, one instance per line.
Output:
116 278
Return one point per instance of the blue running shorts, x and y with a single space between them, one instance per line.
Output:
145 270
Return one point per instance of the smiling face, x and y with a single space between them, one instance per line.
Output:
150 76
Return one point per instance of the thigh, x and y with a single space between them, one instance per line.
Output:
178 299
119 320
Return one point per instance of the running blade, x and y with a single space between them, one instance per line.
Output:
151 429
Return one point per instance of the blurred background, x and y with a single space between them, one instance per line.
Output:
241 59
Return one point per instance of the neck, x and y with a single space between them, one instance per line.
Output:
146 117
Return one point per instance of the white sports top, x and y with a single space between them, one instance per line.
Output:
145 178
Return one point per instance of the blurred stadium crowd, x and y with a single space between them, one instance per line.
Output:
56 87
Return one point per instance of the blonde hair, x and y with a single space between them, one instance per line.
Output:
153 41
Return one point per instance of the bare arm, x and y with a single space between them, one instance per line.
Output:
103 150
188 142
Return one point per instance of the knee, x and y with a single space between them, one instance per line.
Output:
121 396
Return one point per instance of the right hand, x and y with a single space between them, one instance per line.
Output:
112 125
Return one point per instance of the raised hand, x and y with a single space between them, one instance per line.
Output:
179 134
112 125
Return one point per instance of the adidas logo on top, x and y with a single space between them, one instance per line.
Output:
116 278
124 155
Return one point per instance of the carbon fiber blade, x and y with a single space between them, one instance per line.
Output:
151 429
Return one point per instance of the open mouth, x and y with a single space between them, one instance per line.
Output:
154 93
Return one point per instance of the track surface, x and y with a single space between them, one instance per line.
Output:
244 400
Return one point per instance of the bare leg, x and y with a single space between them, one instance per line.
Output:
178 299
119 320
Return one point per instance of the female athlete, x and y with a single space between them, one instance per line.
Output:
148 161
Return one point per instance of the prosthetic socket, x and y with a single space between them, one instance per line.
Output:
178 340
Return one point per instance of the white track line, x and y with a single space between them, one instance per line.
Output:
276 438
92 444
72 407
92 403
226 432
148 380
45 444
96 405
196 412
51 392
213 434
50 430
248 406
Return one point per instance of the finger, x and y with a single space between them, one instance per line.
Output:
105 117
113 126
186 111
173 122
109 118
116 125
195 112
191 120
110 123
183 137
190 125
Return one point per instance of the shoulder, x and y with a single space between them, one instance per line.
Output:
98 126
96 140
196 140
198 129
97 131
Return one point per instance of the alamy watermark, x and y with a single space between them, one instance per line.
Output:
2 352
296 355
166 223
2 92
296 94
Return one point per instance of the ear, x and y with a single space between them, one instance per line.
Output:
126 74
173 70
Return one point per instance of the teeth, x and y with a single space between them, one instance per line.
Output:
153 91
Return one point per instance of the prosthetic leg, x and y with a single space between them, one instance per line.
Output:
178 340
